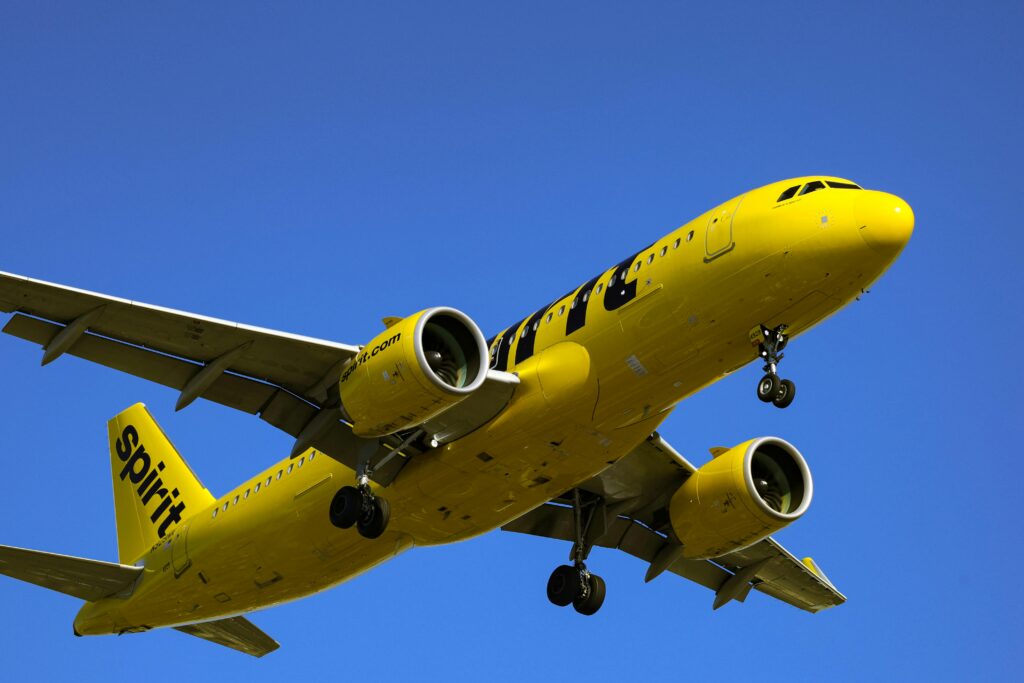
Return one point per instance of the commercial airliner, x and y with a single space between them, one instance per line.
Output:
430 434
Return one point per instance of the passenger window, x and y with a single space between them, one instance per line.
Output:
302 460
636 268
290 466
235 501
675 245
812 187
215 510
268 482
788 194
535 326
279 472
246 494
313 454
550 316
650 259
525 330
843 186
225 507
664 250
600 287
574 302
561 310
257 489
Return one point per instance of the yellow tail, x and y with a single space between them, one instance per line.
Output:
154 489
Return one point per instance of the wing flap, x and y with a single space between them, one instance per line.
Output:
78 577
238 633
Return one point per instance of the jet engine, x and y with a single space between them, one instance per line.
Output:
741 496
417 368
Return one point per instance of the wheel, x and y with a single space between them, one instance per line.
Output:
346 506
564 585
595 597
768 388
787 392
376 522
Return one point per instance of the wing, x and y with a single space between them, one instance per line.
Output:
283 378
238 633
630 501
85 579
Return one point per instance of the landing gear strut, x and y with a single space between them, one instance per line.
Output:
771 389
356 505
574 584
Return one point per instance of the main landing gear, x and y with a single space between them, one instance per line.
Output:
356 505
771 389
574 584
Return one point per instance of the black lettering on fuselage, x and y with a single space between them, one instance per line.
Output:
138 469
524 349
577 317
617 293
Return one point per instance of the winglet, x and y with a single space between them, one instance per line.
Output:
391 321
813 566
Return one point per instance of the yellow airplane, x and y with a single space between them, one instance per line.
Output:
429 434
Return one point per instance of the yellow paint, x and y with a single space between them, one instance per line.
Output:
585 400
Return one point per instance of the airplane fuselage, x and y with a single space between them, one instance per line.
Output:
599 368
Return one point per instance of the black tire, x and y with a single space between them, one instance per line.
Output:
377 522
787 392
768 388
595 597
564 585
346 507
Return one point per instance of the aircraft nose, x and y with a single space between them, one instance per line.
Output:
885 221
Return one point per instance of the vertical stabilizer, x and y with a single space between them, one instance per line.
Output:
154 489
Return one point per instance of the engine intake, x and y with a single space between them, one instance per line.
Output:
743 495
414 370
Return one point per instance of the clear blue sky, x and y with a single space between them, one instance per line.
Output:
314 168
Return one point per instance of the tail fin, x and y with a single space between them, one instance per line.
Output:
154 489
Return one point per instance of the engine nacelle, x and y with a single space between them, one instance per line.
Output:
745 494
412 371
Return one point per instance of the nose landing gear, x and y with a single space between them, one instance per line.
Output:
771 389
574 584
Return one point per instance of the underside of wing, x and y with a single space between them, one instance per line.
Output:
625 507
238 633
302 365
289 381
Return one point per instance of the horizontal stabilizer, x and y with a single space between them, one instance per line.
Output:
88 580
238 633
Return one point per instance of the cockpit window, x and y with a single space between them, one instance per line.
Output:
812 186
788 193
843 186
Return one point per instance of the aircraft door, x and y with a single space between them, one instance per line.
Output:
718 239
180 560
